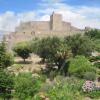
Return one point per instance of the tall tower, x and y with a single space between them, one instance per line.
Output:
56 22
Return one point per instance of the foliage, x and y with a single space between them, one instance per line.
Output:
97 64
88 86
62 90
94 94
52 50
97 44
96 61
6 84
79 66
90 76
23 50
26 86
46 47
93 34
80 45
6 59
62 56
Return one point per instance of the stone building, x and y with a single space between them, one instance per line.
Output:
29 30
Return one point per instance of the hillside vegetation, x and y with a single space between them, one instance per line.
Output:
52 69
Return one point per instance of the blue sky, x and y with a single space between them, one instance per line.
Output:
25 5
80 13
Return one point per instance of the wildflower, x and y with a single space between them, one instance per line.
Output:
88 86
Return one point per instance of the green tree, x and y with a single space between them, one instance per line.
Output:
23 50
6 59
79 66
46 47
62 55
6 80
97 44
6 84
53 50
80 45
94 34
26 86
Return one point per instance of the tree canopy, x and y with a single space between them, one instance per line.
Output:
94 34
80 45
22 49
6 59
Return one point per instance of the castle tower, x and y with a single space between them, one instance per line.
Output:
56 22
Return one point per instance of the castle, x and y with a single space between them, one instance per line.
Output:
39 29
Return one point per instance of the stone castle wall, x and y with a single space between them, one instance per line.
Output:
54 27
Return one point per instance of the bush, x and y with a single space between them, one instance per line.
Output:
62 90
6 84
7 60
90 76
97 64
26 86
94 94
79 66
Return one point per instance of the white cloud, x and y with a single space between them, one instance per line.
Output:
53 1
80 16
9 20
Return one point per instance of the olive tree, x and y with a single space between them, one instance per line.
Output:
23 50
52 50
80 45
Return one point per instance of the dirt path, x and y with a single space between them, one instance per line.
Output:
32 64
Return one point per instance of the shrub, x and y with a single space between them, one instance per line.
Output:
90 76
26 86
62 90
7 60
79 66
94 94
6 84
97 64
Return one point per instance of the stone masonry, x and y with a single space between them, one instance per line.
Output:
39 29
